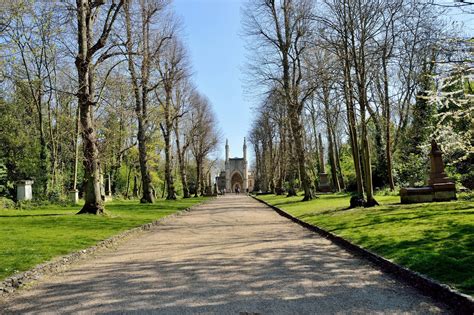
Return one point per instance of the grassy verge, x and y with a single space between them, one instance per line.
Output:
30 237
435 239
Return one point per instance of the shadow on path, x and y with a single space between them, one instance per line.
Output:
229 256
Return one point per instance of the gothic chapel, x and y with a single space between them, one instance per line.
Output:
236 174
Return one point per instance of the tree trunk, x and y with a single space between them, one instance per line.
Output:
299 147
93 201
351 120
338 162
140 102
147 187
43 149
388 149
281 160
272 164
292 164
181 162
366 160
198 176
127 190
332 162
135 186
171 194
76 148
167 129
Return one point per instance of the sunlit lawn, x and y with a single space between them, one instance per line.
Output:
30 237
436 239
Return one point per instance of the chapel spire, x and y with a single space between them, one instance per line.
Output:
226 150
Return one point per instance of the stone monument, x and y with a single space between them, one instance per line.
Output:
324 185
74 196
23 190
443 187
440 186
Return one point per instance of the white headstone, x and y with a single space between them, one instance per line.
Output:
24 191
74 196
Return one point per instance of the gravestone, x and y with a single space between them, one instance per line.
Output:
23 190
441 187
324 185
74 196
108 195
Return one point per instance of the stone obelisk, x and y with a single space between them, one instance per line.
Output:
324 185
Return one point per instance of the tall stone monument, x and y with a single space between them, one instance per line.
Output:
324 185
440 186
443 187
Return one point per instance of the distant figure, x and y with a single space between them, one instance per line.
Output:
223 191
238 190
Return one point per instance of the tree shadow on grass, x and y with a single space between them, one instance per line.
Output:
447 257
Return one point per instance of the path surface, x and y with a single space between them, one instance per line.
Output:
229 256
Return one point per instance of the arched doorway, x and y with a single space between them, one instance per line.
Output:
236 181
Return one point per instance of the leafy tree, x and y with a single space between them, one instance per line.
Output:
3 178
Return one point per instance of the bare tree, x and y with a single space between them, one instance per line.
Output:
204 136
89 46
282 30
172 68
181 103
143 47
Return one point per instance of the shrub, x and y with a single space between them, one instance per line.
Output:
412 170
385 191
6 203
468 196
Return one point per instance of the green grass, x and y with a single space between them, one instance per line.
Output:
435 239
30 237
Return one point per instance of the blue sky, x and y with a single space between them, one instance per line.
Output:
211 33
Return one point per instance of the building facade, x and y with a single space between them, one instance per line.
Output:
236 175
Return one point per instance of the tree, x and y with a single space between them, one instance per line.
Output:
283 29
181 100
88 49
141 48
172 68
31 33
204 136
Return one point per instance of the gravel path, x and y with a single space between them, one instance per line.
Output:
230 256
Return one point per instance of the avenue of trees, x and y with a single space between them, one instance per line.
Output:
367 82
98 96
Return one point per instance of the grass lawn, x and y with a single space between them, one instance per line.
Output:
30 237
435 239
